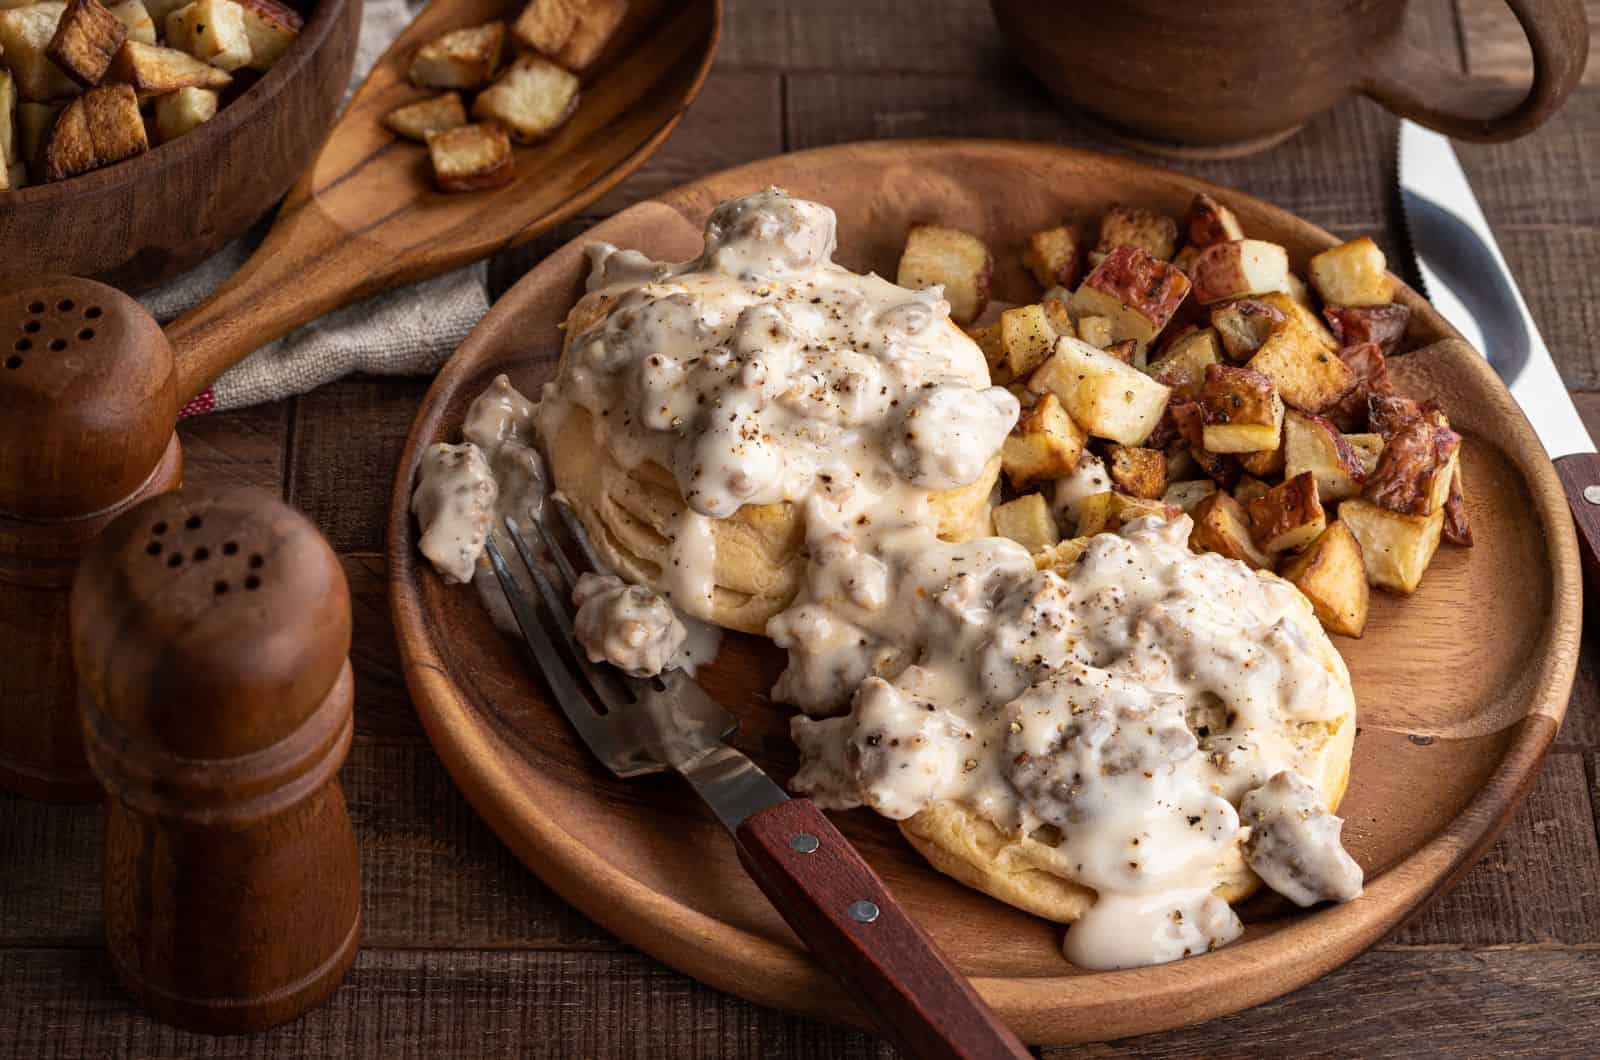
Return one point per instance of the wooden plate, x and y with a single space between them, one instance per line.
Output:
1461 688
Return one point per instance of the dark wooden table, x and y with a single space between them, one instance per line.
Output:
467 954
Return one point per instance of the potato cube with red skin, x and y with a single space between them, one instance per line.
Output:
1182 363
1415 470
1135 291
596 22
1396 547
1289 516
1353 273
1045 444
1221 526
961 262
1333 576
1221 468
1243 413
464 59
1457 529
86 38
1128 226
1238 269
1106 397
1245 325
1371 371
1314 446
1028 337
1383 324
1054 255
1106 512
1387 413
1028 521
471 158
1188 495
1137 471
1208 222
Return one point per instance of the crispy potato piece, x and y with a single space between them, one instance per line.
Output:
1061 556
1126 351
1248 489
1107 398
25 36
1188 495
1221 468
1415 470
1182 365
1054 255
1208 222
532 99
1297 289
463 58
182 111
1055 311
98 128
1368 448
960 261
160 9
1355 324
1027 521
1266 463
135 17
1128 226
597 21
155 71
8 119
1352 274
1184 260
1135 291
470 158
1243 413
1238 269
1096 331
1180 463
545 25
1221 526
421 119
86 38
1289 516
1027 337
1137 471
211 31
1045 444
1457 529
1371 370
1245 325
271 27
1333 576
1314 446
1302 364
994 352
1104 512
1397 548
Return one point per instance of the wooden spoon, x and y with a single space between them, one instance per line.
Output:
366 217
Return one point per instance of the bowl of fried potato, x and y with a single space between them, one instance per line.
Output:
138 137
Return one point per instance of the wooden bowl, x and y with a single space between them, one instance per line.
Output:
140 222
1461 687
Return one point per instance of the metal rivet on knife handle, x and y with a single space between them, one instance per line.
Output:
863 911
1592 494
804 843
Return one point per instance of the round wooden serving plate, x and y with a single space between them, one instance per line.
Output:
1461 687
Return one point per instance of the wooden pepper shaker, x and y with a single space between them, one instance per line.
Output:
212 637
88 404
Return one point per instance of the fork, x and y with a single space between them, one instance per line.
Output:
823 888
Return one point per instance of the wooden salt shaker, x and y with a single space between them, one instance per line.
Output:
212 637
88 406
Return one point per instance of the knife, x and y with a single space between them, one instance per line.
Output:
1466 278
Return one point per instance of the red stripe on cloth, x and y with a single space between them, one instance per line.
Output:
199 405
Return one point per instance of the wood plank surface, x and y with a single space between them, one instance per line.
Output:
1496 48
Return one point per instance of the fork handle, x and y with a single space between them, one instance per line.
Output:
841 910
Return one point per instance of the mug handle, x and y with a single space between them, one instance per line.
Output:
1414 84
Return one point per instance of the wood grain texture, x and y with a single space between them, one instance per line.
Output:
244 447
1580 477
809 35
1494 47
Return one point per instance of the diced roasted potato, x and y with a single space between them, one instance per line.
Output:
1103 512
1238 269
1126 351
1289 516
136 17
155 71
597 21
1387 413
1221 526
1188 495
1243 413
960 261
98 128
1096 331
1366 362
1028 521
1248 489
1368 448
1184 260
1415 470
271 27
532 99
1107 398
988 340
1304 367
1127 226
25 36
1135 291
1046 443
1333 576
1397 548
425 117
545 25
1054 255
1182 365
1055 311
86 38
160 9
1245 325
1264 463
463 58
1136 471
1457 529
471 157
1061 556
1352 274
181 111
1180 463
1208 222
1221 468
8 118
1027 338
211 31
1383 324
34 121
1314 446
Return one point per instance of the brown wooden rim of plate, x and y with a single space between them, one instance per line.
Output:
1294 949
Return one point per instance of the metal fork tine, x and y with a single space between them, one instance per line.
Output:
564 565
575 527
559 606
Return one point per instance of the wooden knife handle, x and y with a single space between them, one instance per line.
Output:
1580 478
841 910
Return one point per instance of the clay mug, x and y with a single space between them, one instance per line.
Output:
1232 76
